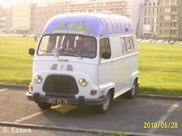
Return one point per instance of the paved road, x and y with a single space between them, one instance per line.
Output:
140 116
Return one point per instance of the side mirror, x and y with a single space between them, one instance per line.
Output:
106 55
31 51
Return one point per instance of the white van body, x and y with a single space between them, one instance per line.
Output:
65 73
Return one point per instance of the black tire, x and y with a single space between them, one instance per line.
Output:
44 106
131 93
103 108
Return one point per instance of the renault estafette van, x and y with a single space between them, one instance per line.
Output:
84 59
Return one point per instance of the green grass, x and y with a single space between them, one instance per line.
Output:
15 62
160 65
160 69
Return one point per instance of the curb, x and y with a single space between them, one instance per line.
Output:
13 86
154 96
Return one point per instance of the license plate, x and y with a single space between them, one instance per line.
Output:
57 101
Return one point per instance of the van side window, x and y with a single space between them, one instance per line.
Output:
124 50
127 44
105 46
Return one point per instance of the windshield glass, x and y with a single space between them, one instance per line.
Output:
68 45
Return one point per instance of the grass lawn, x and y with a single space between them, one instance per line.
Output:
160 65
15 62
160 69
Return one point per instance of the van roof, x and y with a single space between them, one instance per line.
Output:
96 24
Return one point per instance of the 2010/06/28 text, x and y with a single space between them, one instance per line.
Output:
163 125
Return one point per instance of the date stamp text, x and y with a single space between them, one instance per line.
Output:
161 125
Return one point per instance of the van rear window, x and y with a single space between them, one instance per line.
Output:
68 45
127 44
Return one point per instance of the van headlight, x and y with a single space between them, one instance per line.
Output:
83 82
38 79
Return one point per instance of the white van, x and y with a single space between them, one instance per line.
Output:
84 59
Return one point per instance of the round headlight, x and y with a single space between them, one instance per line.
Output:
38 79
83 82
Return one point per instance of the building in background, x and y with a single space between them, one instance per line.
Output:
32 17
2 19
121 7
149 19
161 19
8 21
129 8
170 19
23 17
44 11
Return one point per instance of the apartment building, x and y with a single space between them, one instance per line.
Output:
44 11
5 20
129 8
22 16
116 6
32 17
161 19
149 19
2 19
8 21
170 19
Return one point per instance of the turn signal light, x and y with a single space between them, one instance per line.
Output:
93 92
30 88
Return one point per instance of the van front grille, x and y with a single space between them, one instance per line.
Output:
60 84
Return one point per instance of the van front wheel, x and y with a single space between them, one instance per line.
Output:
105 106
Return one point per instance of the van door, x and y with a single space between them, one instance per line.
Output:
105 67
119 75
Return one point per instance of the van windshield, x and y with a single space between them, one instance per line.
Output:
68 45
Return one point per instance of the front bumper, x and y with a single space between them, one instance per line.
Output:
70 100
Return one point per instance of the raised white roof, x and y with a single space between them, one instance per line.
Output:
96 24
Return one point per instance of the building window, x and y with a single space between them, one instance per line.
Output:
173 17
155 11
173 1
173 9
167 17
147 11
166 2
167 10
151 12
145 22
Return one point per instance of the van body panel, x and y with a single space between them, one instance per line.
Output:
120 68
105 76
76 68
